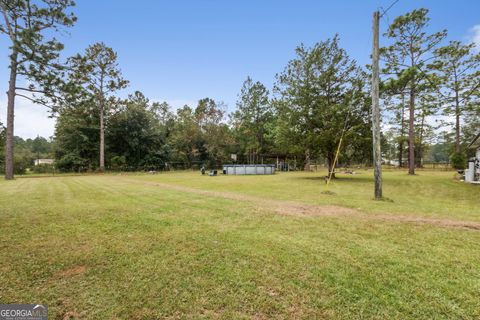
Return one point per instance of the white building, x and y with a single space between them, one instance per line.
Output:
44 161
472 174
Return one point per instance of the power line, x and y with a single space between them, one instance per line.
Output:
389 7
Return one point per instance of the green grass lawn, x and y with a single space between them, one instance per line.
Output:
123 247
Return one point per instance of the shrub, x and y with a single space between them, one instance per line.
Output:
118 162
43 168
71 162
459 160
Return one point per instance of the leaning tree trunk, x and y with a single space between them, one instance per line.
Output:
411 134
9 169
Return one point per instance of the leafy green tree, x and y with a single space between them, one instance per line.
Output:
164 115
41 147
253 117
201 136
186 139
440 151
322 95
34 52
136 135
459 69
287 139
406 61
214 133
459 160
76 137
24 152
96 74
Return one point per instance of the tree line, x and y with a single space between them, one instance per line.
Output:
322 95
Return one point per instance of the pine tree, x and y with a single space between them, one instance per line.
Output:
97 76
406 60
323 95
33 55
459 70
252 118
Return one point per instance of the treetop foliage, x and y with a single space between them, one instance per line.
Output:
34 52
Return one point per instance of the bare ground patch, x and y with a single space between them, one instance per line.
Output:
70 315
302 209
72 271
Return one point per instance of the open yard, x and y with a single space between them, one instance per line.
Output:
186 246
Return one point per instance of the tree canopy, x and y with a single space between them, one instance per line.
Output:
319 99
322 96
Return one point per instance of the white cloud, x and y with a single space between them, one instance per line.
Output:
474 36
30 119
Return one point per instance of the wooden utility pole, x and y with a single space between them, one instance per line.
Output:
377 153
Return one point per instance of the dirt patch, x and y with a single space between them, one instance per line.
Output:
438 222
72 271
301 209
70 315
331 211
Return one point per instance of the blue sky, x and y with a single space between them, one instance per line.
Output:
181 51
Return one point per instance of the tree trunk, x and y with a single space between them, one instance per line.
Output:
457 123
402 133
307 161
411 134
400 153
102 136
10 117
331 168
420 143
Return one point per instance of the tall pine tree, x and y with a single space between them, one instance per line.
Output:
97 75
459 70
33 55
407 61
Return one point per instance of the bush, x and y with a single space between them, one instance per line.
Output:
458 160
43 168
118 162
20 165
71 162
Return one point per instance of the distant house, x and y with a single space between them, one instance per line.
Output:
44 161
472 174
391 162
